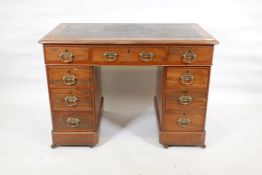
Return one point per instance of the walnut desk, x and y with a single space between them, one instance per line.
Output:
74 53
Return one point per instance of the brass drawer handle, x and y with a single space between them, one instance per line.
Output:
146 56
69 79
185 100
187 78
183 122
189 57
71 100
66 56
111 56
73 122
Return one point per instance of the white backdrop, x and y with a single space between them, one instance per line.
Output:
128 141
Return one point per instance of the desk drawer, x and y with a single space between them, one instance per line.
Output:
187 77
69 76
176 99
184 121
190 55
66 54
148 55
73 121
128 55
71 99
109 55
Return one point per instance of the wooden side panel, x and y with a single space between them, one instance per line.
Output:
97 92
159 93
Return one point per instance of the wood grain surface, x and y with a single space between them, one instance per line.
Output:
179 50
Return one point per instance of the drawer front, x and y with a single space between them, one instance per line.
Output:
69 76
193 55
73 121
110 55
184 121
185 99
148 55
66 54
128 55
71 99
184 77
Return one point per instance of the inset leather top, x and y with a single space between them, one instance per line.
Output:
129 33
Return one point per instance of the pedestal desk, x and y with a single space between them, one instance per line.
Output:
73 55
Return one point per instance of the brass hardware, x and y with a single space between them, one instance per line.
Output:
71 100
69 79
189 57
73 122
183 122
187 78
185 100
66 56
146 56
111 56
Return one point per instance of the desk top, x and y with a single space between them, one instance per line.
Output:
128 33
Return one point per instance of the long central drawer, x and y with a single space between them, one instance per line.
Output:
126 55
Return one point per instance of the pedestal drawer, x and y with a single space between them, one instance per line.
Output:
69 76
178 99
73 121
187 77
184 120
71 99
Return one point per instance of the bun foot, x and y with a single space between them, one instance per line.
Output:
166 146
53 146
203 146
